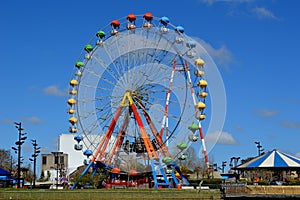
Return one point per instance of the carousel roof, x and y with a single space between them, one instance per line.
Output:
272 159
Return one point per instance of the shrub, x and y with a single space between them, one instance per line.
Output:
293 182
263 182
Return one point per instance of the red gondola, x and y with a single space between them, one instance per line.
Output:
131 17
115 23
148 16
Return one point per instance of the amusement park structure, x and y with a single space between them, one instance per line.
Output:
138 91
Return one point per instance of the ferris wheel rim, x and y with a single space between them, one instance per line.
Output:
125 30
111 36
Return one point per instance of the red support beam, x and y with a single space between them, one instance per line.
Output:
103 144
149 147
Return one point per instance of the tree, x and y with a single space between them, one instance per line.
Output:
6 160
88 178
191 161
42 177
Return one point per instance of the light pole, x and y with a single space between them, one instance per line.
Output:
36 151
19 143
235 160
259 147
56 160
223 166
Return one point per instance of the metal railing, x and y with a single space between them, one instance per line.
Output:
107 194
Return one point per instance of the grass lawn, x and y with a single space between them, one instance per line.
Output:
110 194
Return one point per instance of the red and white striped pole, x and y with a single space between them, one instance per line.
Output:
196 109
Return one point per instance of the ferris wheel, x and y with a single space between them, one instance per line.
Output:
138 95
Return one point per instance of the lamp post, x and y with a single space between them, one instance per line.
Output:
213 167
56 161
259 147
235 160
36 151
223 166
19 143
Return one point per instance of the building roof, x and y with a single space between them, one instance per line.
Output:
273 159
4 172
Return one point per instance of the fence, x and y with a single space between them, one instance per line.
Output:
234 188
107 194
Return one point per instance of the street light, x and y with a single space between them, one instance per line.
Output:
223 166
57 164
19 143
259 147
235 161
36 151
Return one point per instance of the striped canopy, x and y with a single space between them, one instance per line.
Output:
272 159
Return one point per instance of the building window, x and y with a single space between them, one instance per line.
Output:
44 160
62 160
55 159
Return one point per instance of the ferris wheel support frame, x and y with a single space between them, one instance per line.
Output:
165 121
119 140
165 118
104 142
153 156
162 146
199 121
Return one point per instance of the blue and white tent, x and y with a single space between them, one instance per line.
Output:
272 160
5 175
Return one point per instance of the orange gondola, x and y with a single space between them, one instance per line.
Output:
131 17
115 170
133 172
148 16
115 23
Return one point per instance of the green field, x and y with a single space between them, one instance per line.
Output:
110 194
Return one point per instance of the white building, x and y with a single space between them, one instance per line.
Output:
76 158
66 145
53 165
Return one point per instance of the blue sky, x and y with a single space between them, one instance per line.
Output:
253 42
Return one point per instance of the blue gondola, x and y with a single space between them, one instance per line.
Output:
78 138
78 147
191 44
88 153
179 29
164 20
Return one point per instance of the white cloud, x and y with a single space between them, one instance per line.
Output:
297 155
222 55
239 128
263 13
237 8
290 124
220 138
210 2
54 91
265 113
33 120
7 121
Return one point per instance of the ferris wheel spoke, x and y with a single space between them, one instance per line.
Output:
119 60
97 87
122 51
105 67
116 68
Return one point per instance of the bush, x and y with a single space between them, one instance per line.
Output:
263 182
293 182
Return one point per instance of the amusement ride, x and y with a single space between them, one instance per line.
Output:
138 98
